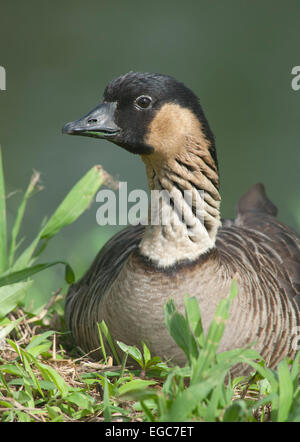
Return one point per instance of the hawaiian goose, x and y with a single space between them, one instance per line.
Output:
141 267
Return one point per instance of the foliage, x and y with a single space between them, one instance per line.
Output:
203 390
41 381
14 270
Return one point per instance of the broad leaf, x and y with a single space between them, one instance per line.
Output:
11 295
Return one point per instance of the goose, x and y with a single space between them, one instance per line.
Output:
141 267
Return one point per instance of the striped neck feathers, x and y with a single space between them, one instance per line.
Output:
184 212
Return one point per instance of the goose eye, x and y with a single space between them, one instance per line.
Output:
143 101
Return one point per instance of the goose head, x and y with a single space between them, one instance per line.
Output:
160 119
147 114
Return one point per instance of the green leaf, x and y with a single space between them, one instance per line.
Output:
75 203
102 328
49 374
23 417
69 273
194 318
146 354
25 258
11 295
179 330
295 369
185 402
217 400
6 404
143 394
40 344
102 346
12 369
38 339
134 352
134 385
20 275
106 403
55 413
27 360
238 355
3 238
4 331
3 383
45 385
20 214
148 413
80 399
285 391
236 412
265 372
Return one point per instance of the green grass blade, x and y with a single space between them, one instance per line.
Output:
26 361
102 346
236 412
193 315
110 341
38 339
25 259
4 384
146 354
132 351
4 331
76 202
266 373
212 410
49 374
182 407
179 330
285 391
20 214
3 234
20 275
149 415
123 365
11 295
295 369
106 404
135 385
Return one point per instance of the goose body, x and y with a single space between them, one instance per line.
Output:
142 267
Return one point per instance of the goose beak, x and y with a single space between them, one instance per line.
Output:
98 123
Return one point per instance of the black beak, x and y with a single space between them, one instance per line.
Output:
98 123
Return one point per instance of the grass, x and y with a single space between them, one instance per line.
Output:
44 377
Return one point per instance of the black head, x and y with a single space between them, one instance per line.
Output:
129 105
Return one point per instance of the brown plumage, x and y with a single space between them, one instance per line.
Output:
142 266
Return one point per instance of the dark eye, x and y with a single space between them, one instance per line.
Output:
143 101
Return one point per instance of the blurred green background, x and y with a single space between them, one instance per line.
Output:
237 55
